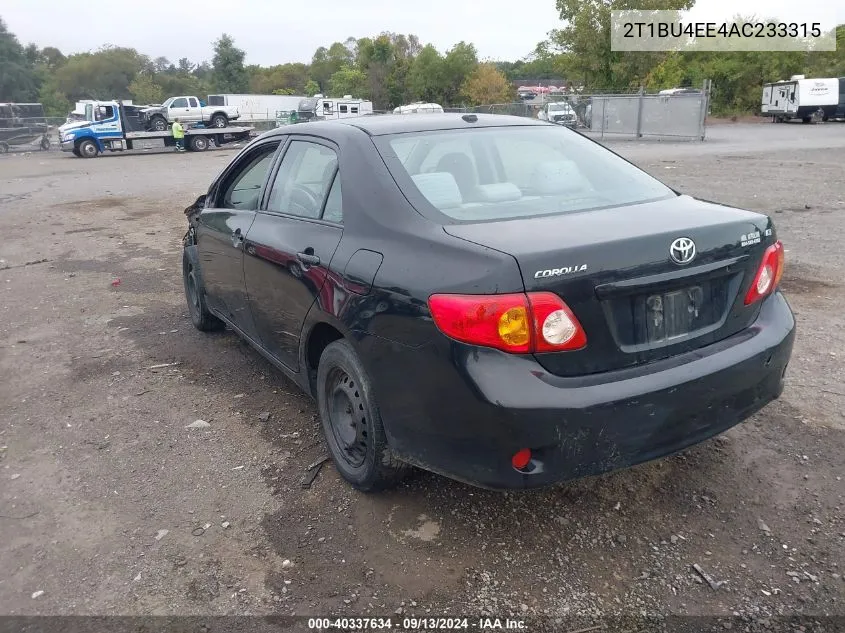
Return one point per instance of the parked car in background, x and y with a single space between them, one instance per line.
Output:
559 113
680 91
493 298
188 109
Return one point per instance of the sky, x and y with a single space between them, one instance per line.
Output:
274 32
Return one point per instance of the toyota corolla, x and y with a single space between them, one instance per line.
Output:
499 300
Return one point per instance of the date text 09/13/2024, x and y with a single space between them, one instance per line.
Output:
416 624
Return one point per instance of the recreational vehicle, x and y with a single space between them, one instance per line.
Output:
419 108
343 108
801 98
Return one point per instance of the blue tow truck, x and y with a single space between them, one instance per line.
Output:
112 126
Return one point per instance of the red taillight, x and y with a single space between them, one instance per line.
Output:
516 323
555 326
768 275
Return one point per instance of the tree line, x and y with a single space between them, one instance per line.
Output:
392 69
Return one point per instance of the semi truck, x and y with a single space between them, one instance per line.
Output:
109 126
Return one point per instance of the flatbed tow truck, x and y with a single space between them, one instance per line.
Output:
108 127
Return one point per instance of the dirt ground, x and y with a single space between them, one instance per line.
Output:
110 505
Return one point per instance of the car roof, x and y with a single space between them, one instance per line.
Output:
378 125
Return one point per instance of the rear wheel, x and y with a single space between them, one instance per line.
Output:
352 423
88 149
202 319
219 120
199 143
4 147
45 143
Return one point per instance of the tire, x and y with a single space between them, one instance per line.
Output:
76 152
199 143
88 149
4 147
202 319
45 144
158 124
351 421
219 120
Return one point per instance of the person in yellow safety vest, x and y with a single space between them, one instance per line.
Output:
179 135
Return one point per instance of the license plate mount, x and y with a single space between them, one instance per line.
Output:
674 314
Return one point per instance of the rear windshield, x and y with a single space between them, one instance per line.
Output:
502 173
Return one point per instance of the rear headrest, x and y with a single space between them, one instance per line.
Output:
558 177
440 188
498 192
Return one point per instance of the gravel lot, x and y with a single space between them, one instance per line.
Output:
109 505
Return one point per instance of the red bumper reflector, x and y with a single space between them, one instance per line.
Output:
521 458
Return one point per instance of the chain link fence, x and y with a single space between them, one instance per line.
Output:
637 114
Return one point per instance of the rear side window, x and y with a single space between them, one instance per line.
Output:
303 181
501 173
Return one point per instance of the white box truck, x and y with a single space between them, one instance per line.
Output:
256 107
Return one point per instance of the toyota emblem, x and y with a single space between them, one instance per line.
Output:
682 250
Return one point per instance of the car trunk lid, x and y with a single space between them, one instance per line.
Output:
614 270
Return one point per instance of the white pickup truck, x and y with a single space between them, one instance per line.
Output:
187 109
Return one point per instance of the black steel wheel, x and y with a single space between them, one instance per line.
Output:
351 421
201 317
88 149
199 143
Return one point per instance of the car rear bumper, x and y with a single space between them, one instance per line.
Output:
464 411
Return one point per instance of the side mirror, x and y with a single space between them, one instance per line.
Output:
196 207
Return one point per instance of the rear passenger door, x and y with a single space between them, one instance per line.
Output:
230 210
291 243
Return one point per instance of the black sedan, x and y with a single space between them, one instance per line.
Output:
496 299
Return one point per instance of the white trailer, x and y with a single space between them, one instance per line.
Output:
419 107
343 108
801 98
256 107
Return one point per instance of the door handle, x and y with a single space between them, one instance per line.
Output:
309 259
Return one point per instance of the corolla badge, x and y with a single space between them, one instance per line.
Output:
557 272
682 250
